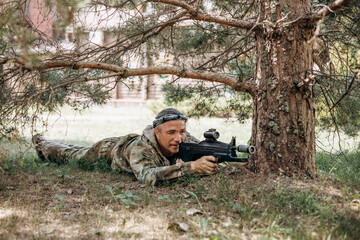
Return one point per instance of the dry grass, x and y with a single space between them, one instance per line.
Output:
47 201
63 202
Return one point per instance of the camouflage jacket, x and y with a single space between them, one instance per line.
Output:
141 155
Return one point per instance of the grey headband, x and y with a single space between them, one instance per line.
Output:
167 118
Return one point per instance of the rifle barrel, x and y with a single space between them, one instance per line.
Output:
246 149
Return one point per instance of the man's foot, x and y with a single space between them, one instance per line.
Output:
37 141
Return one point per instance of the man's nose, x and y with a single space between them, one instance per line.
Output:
178 138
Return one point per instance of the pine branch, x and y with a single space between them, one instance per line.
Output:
126 72
196 14
326 10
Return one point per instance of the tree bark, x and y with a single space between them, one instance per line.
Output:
284 115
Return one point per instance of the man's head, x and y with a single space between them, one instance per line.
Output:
170 130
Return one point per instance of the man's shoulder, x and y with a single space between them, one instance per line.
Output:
126 140
129 137
143 149
144 142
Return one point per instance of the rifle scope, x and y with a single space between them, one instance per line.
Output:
211 134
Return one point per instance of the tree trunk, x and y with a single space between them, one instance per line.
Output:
284 116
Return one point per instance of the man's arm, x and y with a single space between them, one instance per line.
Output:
143 162
203 165
148 167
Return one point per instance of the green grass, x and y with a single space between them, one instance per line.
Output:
48 201
344 165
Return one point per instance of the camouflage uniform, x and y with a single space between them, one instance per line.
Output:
138 154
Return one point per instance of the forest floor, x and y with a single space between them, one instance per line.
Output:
41 200
65 202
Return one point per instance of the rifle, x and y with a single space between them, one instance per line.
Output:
211 147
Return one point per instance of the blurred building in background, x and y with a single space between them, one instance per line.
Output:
96 25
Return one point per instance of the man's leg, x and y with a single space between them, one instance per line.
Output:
62 152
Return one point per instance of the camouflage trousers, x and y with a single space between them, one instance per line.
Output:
87 157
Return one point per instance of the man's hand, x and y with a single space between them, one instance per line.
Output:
204 165
179 160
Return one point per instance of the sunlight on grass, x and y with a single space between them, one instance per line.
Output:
6 213
97 123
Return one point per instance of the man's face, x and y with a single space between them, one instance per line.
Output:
170 135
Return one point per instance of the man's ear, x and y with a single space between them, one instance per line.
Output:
156 132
